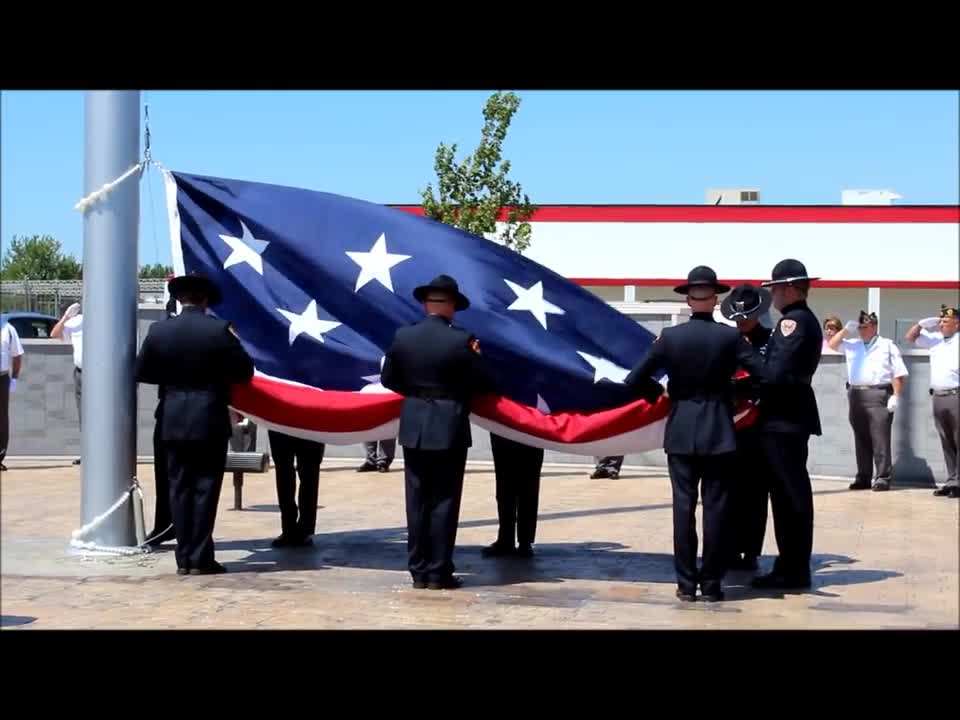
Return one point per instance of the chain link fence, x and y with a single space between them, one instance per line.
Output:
52 297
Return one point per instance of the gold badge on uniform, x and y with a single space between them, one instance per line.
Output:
787 327
475 345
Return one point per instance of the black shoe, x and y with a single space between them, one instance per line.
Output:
383 468
291 541
419 584
780 581
366 467
77 461
943 491
525 551
859 486
215 569
711 594
954 492
450 583
498 549
599 475
3 467
686 596
881 486
183 571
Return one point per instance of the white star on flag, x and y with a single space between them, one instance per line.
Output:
376 264
246 249
531 299
542 405
308 322
603 368
375 385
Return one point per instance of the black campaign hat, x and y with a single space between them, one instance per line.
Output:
195 283
745 302
788 271
701 276
443 283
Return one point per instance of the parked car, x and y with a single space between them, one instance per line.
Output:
29 325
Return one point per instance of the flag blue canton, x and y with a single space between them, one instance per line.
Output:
317 284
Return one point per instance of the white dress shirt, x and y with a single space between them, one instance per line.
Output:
876 362
944 374
10 346
73 333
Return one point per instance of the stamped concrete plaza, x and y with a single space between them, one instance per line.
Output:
881 560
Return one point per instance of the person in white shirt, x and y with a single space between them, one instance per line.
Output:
944 386
875 378
70 329
11 357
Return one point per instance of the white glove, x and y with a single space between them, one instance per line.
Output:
13 385
892 403
929 323
851 327
72 311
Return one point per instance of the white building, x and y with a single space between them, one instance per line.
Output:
899 261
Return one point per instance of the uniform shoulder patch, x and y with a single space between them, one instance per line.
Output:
787 327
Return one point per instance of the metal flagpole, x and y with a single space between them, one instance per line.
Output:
110 297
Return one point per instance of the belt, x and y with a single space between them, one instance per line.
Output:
427 394
869 387
942 393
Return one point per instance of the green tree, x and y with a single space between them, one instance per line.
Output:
472 193
155 271
38 257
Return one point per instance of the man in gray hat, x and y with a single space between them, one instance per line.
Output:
875 377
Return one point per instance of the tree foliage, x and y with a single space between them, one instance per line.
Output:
155 271
472 193
38 257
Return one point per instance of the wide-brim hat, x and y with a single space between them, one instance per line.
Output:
702 276
788 271
443 283
196 283
745 302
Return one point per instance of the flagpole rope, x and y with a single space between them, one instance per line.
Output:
76 540
97 195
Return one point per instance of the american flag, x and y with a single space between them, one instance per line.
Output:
316 285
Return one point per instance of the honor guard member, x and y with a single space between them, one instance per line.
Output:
517 468
944 386
787 417
750 488
195 358
162 517
700 358
875 378
438 369
297 524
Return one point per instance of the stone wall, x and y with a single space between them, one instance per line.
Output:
43 417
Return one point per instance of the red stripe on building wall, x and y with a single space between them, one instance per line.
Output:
739 213
667 282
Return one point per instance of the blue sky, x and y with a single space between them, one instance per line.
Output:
565 147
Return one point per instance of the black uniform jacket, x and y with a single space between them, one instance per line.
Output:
433 366
787 401
194 358
700 358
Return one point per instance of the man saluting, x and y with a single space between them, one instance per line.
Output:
437 368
